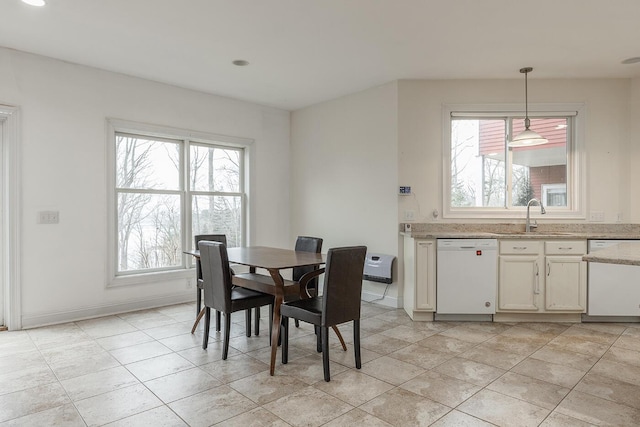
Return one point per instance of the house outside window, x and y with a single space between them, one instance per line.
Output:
484 177
167 187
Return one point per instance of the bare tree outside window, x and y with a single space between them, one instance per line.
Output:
149 197
217 200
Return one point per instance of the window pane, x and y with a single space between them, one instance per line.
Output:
541 171
477 163
214 169
148 231
218 214
147 164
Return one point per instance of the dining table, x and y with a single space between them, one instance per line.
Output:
274 261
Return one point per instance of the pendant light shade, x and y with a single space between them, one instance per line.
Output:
527 137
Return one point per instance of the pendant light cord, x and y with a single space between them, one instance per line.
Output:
527 122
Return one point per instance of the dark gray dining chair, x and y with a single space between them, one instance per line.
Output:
199 310
220 293
307 244
339 303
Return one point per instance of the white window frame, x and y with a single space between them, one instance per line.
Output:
115 126
576 160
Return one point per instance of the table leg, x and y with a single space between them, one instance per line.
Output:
277 317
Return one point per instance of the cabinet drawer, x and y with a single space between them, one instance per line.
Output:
566 247
521 247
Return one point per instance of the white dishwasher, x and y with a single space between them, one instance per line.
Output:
466 276
614 289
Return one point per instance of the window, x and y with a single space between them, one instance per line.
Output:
169 186
484 177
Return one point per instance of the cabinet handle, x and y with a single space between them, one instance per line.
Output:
519 248
537 289
548 269
565 249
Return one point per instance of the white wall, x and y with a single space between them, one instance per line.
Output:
344 174
353 140
633 159
420 135
63 111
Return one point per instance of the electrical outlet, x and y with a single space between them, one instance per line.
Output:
596 216
48 217
189 284
619 217
409 215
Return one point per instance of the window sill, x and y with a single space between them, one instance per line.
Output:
147 278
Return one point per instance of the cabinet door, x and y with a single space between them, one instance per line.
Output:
519 283
566 283
425 275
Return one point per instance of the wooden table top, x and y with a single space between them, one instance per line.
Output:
270 258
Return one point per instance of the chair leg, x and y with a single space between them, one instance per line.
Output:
270 321
195 324
247 316
285 340
227 331
337 331
207 322
218 315
257 322
318 339
198 301
356 341
325 353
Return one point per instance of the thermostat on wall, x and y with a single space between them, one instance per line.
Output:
404 191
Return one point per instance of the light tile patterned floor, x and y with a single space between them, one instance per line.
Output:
146 369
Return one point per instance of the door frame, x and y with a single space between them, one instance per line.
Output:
11 209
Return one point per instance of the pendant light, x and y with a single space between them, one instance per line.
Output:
527 137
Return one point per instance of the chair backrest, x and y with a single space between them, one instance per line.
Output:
343 285
307 244
216 275
209 237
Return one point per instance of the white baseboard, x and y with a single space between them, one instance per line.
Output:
52 318
387 301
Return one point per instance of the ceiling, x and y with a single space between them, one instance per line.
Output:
302 52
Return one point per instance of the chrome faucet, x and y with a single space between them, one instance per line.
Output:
533 225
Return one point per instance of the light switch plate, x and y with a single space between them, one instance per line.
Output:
596 216
48 217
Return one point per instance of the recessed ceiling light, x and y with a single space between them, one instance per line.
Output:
633 60
240 62
35 2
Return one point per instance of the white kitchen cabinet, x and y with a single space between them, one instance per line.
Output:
518 282
419 278
519 275
536 276
566 276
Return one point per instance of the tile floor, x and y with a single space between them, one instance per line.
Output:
146 369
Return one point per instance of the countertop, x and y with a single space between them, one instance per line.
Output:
532 235
545 231
622 253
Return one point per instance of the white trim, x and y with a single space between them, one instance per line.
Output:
11 224
576 159
57 317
